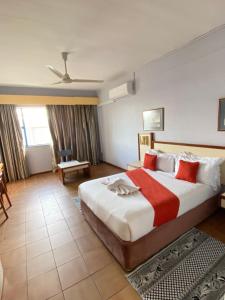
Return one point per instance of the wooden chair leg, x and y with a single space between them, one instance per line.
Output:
5 192
7 197
3 207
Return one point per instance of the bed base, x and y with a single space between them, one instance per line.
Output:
132 254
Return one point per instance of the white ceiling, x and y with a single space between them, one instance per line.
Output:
107 37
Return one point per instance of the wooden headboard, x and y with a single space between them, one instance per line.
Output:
198 149
201 150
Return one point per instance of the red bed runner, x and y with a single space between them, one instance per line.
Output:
164 202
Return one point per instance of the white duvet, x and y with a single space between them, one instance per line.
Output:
131 217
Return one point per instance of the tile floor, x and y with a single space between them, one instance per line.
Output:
48 251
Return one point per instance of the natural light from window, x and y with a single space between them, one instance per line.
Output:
34 125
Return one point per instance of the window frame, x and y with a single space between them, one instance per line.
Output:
23 128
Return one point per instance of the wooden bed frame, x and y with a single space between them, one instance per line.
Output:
132 254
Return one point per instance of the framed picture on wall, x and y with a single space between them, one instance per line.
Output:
221 115
144 143
153 120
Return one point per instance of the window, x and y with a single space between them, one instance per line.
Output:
34 125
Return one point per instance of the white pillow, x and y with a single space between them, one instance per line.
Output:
209 168
165 161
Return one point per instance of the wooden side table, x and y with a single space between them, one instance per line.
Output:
222 199
73 165
135 165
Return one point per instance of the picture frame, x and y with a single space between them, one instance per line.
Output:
221 115
153 120
144 143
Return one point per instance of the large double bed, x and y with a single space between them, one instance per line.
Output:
125 224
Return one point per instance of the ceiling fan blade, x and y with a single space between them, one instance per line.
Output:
57 73
87 80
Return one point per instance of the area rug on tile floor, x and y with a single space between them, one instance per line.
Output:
191 268
77 203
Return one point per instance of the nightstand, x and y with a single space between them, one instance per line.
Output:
222 199
135 165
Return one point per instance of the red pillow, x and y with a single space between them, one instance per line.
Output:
150 161
188 171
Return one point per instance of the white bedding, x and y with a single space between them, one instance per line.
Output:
131 217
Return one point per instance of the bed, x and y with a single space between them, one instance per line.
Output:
125 225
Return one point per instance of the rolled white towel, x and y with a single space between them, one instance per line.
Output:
119 186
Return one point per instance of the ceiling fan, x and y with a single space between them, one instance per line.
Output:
65 78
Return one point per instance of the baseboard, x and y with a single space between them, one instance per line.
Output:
105 162
39 173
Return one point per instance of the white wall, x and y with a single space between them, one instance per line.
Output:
39 159
187 83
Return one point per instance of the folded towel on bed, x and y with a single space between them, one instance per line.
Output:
119 186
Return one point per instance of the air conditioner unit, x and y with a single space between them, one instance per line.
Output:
122 90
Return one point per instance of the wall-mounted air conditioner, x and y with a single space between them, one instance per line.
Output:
123 90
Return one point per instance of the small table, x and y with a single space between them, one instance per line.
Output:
73 165
135 165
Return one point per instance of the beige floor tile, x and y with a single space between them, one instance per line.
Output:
51 219
14 238
49 203
110 281
31 212
126 294
84 290
46 196
66 253
34 225
60 239
72 221
38 248
14 231
16 220
34 216
51 209
72 272
58 297
88 243
32 201
33 207
15 292
16 210
12 244
57 227
66 204
70 212
97 259
44 286
44 200
11 227
61 195
15 275
36 235
13 258
80 230
40 264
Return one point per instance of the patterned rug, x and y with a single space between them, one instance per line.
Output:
77 203
191 268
